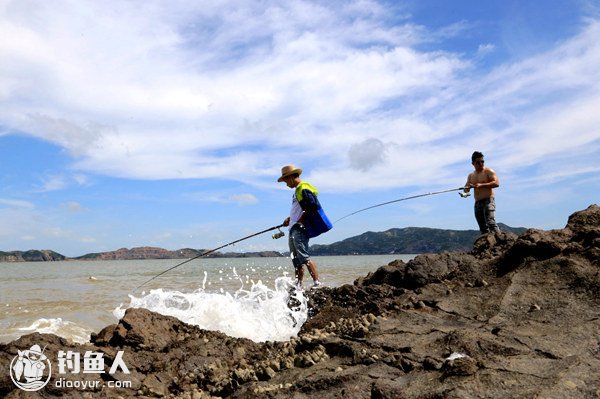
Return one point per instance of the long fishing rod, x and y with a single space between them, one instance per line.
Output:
398 200
280 234
211 251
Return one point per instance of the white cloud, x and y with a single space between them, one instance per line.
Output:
484 49
128 89
61 182
53 183
16 204
182 90
239 199
244 199
366 154
72 206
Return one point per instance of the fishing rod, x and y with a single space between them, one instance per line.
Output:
276 235
404 199
281 234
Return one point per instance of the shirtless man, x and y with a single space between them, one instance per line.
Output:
483 180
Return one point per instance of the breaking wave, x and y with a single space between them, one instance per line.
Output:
58 326
260 313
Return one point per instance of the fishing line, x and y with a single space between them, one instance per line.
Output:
211 251
401 199
280 234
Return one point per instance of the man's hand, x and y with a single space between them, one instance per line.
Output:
286 222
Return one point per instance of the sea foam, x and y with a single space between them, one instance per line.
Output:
260 313
58 326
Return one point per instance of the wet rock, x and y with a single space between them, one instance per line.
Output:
535 307
386 389
153 386
141 327
432 364
463 366
492 245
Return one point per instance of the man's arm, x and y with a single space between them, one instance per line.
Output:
468 184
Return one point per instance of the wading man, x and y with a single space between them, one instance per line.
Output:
306 220
483 180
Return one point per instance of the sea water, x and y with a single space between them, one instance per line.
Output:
242 297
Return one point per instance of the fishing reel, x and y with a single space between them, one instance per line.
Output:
464 195
278 235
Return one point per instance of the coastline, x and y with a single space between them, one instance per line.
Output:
515 316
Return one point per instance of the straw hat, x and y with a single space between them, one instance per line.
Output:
288 170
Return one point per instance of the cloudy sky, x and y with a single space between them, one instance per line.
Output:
166 123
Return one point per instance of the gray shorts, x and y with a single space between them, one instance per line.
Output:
485 214
298 241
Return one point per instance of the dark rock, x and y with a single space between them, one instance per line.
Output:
387 389
141 327
463 366
489 246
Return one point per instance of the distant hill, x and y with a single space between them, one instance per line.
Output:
160 253
30 256
408 240
128 254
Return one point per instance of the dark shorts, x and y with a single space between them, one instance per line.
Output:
298 241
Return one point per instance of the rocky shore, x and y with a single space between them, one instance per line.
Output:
516 317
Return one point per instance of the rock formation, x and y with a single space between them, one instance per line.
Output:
33 255
515 317
161 253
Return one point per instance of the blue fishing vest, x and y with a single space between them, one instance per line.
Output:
315 220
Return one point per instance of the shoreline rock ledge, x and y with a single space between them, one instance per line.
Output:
517 316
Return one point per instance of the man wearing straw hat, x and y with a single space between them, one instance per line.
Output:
306 220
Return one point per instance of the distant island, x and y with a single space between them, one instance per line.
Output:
408 240
128 254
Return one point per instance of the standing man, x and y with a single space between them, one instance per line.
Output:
306 220
483 180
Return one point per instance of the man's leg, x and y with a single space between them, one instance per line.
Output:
312 269
299 273
490 216
480 216
296 257
301 245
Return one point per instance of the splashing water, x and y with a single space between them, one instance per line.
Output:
59 327
260 314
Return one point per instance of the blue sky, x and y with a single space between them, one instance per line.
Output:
166 124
